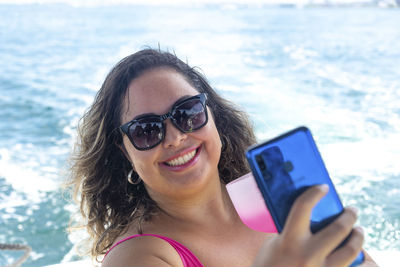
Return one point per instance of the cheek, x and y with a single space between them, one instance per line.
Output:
213 138
138 159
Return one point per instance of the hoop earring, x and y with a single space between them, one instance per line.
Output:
136 181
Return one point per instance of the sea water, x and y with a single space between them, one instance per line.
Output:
333 69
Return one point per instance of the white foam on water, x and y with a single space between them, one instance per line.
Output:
368 157
300 53
35 256
27 177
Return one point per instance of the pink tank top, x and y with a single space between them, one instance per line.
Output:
188 258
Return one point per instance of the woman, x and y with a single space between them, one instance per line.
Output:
155 151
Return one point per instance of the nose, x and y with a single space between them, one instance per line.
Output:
173 137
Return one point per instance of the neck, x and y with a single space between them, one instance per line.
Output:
212 207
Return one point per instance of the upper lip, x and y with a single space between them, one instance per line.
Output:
181 153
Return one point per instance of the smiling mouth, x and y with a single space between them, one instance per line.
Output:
182 160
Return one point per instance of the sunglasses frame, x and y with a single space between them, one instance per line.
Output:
161 118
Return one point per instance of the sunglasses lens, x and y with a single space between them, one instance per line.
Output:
146 133
190 115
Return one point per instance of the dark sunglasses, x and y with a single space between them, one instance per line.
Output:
187 115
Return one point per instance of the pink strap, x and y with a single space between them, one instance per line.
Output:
250 205
187 257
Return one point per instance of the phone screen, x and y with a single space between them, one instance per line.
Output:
285 167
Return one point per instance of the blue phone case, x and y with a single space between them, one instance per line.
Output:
285 167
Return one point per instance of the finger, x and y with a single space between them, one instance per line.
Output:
336 231
347 253
298 220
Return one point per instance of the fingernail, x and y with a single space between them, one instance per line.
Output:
324 187
354 209
360 229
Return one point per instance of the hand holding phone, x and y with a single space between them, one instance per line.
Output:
297 246
287 166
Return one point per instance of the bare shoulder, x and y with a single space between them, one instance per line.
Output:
143 251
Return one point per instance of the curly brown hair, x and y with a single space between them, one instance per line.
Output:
99 169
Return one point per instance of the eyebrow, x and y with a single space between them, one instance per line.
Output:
153 114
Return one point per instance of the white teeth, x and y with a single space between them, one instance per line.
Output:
182 159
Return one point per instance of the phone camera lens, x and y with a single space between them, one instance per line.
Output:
288 166
261 163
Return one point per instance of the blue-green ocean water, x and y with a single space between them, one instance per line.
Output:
335 70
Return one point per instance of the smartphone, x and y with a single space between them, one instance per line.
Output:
285 167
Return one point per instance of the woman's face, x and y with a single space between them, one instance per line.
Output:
184 163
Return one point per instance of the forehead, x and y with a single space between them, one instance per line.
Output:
155 91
